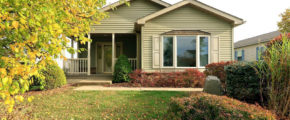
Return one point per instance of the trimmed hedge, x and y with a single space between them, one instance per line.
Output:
187 78
242 82
217 69
51 77
122 70
211 107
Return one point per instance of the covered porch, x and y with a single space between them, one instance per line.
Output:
102 53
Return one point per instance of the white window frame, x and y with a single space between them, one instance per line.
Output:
175 51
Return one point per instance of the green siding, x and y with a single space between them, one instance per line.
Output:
123 19
187 18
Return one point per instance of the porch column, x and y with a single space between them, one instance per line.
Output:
72 46
113 52
137 47
89 55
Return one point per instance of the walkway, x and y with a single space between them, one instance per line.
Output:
101 88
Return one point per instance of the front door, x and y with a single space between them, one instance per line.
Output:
107 58
104 56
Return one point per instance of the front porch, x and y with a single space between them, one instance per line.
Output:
97 59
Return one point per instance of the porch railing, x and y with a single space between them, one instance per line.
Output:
76 66
133 62
80 65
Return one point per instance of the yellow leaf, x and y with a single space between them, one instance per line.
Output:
19 98
22 21
15 24
10 109
29 99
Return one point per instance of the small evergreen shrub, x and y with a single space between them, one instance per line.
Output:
188 78
122 70
204 106
51 77
217 69
242 82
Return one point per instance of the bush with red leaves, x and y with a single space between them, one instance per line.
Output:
277 39
188 78
217 69
202 106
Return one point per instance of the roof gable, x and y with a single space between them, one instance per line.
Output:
119 3
234 19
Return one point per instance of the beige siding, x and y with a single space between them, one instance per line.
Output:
187 18
123 19
250 51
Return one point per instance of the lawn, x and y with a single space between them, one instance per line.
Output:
69 104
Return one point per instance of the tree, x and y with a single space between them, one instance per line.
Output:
35 31
284 24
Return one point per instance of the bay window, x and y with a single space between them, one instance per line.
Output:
186 51
203 51
190 51
168 51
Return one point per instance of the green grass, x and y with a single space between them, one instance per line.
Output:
97 105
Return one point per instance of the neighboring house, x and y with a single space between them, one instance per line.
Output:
250 49
157 36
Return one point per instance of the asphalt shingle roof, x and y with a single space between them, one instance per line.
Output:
257 39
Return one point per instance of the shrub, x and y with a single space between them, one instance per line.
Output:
122 70
278 62
242 82
51 77
217 69
188 78
203 106
277 40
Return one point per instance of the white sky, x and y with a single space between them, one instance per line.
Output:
261 16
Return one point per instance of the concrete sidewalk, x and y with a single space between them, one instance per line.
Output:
101 88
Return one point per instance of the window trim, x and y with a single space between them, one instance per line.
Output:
175 51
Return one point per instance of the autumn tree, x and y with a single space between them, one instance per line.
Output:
284 24
33 32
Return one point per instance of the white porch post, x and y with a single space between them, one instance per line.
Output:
113 52
137 47
89 55
72 46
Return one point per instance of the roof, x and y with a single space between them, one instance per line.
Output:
237 21
257 39
118 3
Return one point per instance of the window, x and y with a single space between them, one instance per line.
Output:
239 55
185 51
168 51
203 56
260 53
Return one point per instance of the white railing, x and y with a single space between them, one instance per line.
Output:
76 66
132 61
80 65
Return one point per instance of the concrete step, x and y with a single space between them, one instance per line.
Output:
93 82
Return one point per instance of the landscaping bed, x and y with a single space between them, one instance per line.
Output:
190 78
202 106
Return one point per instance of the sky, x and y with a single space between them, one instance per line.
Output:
261 16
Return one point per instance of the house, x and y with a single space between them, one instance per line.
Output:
157 36
251 48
